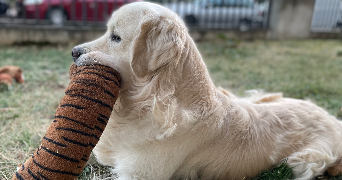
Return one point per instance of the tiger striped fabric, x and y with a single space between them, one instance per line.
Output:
78 124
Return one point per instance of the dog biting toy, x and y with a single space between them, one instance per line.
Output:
78 124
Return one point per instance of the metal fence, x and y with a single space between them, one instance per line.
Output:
197 14
327 16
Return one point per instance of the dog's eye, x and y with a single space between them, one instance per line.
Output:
115 38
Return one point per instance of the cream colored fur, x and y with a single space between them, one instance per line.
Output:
171 122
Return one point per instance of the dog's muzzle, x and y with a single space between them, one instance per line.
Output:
76 53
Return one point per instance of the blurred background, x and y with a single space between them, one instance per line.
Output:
271 19
289 46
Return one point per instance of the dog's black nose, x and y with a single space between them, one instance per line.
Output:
76 53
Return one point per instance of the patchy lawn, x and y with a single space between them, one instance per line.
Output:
309 69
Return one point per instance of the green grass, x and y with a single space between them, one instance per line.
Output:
309 69
280 172
27 109
300 69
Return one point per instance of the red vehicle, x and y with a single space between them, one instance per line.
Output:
58 11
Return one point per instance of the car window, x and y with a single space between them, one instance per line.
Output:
225 3
216 3
209 2
238 3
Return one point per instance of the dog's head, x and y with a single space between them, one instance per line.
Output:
141 38
161 68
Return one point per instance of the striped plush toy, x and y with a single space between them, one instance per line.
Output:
79 122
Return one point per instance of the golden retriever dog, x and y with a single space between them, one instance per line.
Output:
171 122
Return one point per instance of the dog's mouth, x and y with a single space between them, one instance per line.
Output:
75 59
76 56
85 59
77 52
80 60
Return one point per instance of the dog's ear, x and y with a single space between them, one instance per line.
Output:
159 42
